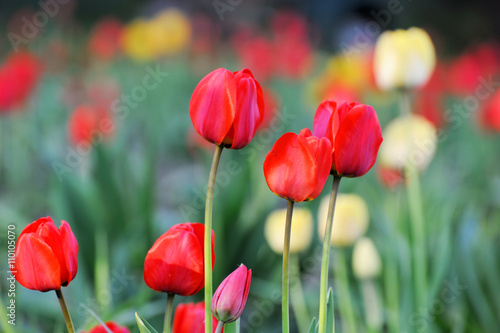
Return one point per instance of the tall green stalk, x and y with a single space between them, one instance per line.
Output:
167 323
208 238
64 308
285 306
418 237
326 255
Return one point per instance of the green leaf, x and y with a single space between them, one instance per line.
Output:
313 328
330 315
144 326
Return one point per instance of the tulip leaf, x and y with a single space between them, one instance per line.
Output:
313 328
144 326
330 315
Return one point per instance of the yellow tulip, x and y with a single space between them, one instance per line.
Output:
301 233
168 33
408 139
350 220
366 262
404 59
137 41
171 31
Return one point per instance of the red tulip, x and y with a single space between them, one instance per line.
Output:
390 178
175 262
489 116
227 108
191 318
231 296
298 166
89 123
430 107
18 78
105 40
111 326
45 256
354 132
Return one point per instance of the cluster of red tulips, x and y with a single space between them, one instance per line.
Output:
226 109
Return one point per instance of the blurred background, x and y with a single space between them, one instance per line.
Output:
95 130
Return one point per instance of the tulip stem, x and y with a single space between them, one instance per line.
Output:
418 235
326 256
65 311
404 103
285 304
219 328
208 239
167 324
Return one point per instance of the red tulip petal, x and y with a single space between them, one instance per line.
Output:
357 142
249 113
199 232
212 105
33 227
290 169
322 124
36 265
323 158
175 264
70 246
52 237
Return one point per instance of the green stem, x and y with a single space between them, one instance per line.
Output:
345 304
392 294
64 308
391 274
297 299
219 328
325 260
285 307
237 326
208 239
404 103
418 236
167 324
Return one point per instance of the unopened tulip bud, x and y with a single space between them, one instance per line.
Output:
366 262
350 220
408 140
403 59
231 296
301 234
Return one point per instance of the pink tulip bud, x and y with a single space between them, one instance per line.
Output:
230 298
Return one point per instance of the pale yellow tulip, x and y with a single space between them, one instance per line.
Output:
409 140
350 220
301 232
366 262
404 59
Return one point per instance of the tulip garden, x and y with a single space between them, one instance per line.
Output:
166 174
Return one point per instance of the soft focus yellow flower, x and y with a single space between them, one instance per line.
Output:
343 79
403 59
350 220
137 41
171 31
366 262
301 234
168 33
408 139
